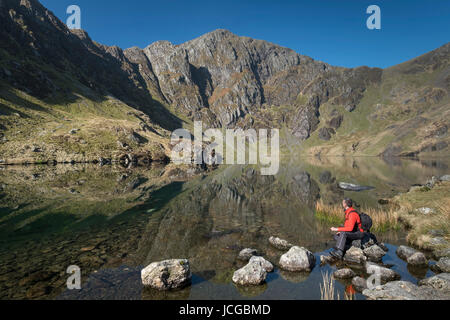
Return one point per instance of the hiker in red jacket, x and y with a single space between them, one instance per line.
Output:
352 229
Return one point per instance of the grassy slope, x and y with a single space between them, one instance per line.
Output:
370 126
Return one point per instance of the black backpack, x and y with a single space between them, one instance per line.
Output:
366 221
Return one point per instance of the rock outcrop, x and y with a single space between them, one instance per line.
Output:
403 290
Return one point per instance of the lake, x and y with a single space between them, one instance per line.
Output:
113 221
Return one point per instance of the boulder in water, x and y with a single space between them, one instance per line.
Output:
297 259
345 273
404 252
418 259
355 255
374 253
359 283
251 274
385 274
263 262
166 275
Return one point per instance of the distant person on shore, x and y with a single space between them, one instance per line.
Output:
352 229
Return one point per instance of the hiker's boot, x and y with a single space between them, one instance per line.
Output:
337 253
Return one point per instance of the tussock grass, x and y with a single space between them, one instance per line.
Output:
327 289
383 220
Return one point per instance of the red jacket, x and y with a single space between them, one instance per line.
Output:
351 218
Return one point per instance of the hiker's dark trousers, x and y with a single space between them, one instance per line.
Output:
343 237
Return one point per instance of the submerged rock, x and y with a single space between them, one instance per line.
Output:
247 253
405 252
353 187
374 253
402 290
251 274
440 282
297 259
417 259
166 275
355 255
345 273
263 262
385 274
280 243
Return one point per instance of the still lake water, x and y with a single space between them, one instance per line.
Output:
112 221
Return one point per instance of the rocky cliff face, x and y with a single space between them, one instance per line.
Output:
220 78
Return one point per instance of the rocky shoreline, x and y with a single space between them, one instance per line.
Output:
362 266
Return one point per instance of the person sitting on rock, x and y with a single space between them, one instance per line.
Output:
352 229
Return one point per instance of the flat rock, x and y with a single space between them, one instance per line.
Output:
440 282
386 274
374 253
247 253
280 243
166 275
417 259
250 275
355 255
444 264
402 290
405 252
297 259
445 177
345 273
353 187
263 262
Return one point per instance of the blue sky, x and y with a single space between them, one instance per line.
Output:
333 31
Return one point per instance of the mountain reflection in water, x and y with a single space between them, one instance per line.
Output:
112 221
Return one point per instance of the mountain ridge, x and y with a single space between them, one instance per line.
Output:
221 78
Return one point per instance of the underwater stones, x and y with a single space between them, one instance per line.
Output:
166 275
280 243
297 259
247 253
